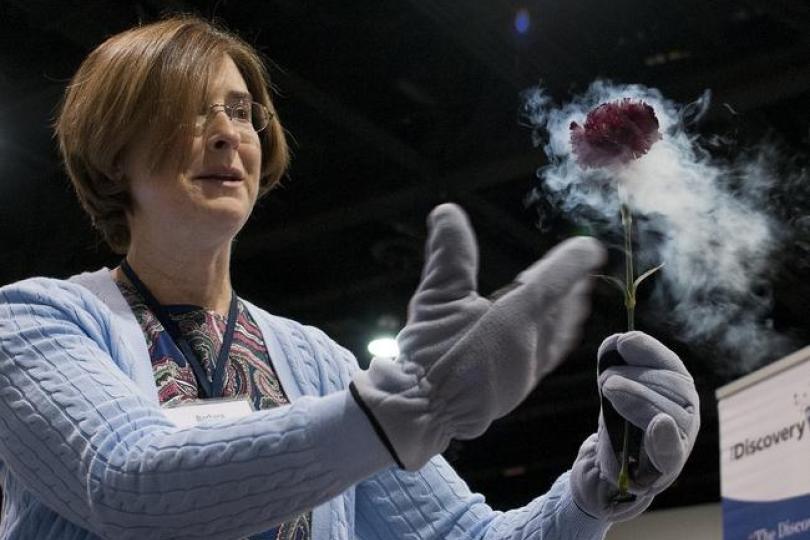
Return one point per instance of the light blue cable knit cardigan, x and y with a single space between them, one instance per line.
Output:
85 451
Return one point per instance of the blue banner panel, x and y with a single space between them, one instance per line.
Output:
771 520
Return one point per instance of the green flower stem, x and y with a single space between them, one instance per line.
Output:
630 304
629 277
628 289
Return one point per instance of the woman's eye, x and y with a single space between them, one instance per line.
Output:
241 113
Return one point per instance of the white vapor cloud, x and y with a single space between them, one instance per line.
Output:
704 218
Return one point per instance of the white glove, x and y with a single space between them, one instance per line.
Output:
465 360
646 383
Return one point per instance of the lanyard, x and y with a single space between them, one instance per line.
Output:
208 388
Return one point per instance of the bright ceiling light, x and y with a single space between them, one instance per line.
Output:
383 347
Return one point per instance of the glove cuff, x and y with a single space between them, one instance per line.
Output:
378 429
395 397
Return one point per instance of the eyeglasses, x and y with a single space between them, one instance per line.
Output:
247 116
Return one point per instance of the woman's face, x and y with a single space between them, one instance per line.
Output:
211 196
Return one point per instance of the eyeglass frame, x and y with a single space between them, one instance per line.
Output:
202 119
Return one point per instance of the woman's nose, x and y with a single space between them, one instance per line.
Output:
222 134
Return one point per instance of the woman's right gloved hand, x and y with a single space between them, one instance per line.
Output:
466 360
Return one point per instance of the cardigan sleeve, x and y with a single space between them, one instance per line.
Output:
83 439
435 503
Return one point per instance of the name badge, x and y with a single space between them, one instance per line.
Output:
210 410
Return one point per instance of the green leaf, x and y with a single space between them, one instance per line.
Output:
645 275
614 280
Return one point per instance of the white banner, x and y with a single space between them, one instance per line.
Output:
765 452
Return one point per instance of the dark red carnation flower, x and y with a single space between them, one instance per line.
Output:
615 133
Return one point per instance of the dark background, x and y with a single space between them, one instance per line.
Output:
393 107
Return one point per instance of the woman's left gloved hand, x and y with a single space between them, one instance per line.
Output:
646 383
466 360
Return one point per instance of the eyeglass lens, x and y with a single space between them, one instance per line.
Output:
253 116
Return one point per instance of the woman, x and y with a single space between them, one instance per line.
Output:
107 423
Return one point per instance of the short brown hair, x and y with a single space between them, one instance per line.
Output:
151 81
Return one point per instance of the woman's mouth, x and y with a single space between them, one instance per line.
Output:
225 177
